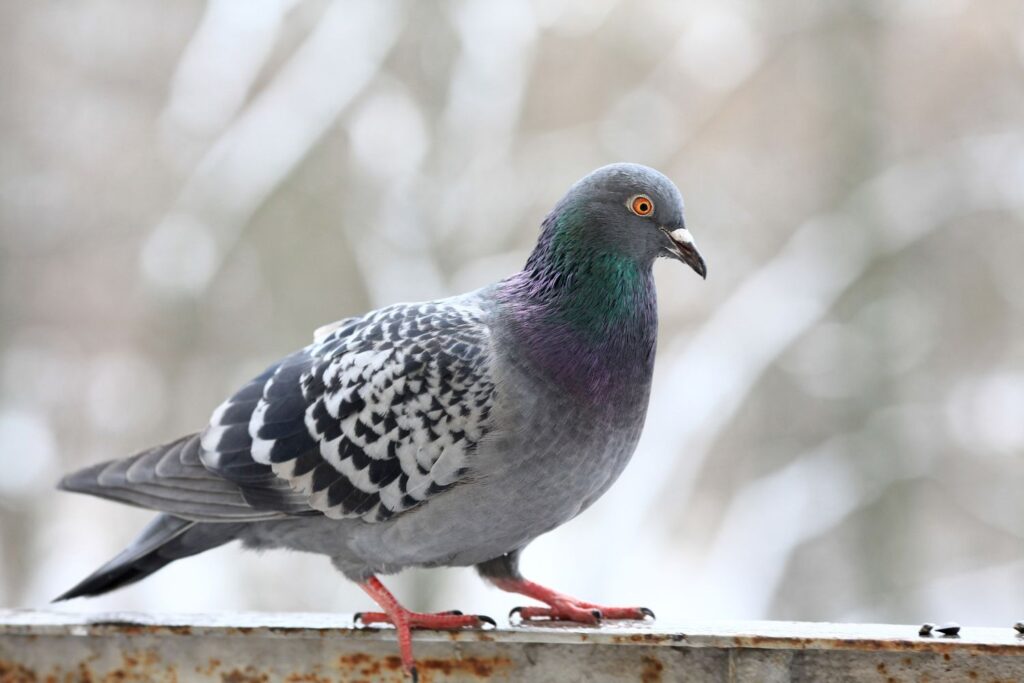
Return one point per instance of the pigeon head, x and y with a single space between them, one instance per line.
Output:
584 307
625 210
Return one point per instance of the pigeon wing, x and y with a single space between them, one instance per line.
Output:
376 416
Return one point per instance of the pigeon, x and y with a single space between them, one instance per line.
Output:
445 433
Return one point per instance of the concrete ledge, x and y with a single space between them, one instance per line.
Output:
317 648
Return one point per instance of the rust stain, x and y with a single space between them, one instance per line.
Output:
131 628
210 667
370 668
470 634
178 630
363 664
247 675
646 638
356 659
12 672
651 671
874 645
137 667
128 628
306 678
481 667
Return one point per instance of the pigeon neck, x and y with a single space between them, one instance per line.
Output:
586 314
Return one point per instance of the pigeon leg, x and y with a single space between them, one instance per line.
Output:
503 572
561 607
404 620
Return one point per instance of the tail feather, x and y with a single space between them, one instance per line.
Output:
171 478
164 540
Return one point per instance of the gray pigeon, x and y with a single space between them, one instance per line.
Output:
445 433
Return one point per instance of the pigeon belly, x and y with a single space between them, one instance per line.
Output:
551 450
540 472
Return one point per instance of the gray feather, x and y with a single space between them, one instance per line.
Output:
449 432
199 496
164 540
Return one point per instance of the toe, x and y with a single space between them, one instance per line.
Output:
633 613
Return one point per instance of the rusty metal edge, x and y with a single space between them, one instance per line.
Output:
723 635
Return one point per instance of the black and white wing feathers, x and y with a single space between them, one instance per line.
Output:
375 417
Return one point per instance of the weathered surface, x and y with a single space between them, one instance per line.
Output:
304 648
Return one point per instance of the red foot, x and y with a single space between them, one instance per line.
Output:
564 608
442 621
404 621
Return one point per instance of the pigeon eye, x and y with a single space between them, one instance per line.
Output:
641 205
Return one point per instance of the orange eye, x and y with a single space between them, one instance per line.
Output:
641 205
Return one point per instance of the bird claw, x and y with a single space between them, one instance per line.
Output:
578 612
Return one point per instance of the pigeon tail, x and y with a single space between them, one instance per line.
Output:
164 540
171 478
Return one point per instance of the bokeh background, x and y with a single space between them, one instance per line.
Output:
188 189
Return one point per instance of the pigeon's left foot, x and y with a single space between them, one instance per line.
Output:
442 621
404 621
561 607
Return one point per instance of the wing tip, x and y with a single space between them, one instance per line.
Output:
85 480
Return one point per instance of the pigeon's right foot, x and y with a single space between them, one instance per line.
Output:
404 621
561 607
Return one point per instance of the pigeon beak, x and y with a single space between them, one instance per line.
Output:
683 249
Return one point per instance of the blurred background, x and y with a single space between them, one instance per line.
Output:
836 431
